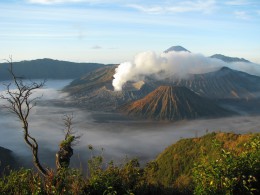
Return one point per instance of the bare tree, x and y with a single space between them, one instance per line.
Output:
65 152
19 101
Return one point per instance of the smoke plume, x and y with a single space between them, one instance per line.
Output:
179 64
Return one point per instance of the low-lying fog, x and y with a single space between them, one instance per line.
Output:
119 138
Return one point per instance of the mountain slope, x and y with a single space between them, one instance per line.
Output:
222 84
173 103
228 59
101 77
94 90
6 159
48 69
175 163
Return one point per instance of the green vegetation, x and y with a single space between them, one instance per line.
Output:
217 163
26 181
231 173
176 163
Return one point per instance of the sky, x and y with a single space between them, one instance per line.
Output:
114 31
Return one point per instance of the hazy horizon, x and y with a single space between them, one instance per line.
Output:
115 31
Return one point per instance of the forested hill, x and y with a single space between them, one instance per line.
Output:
48 69
176 163
7 159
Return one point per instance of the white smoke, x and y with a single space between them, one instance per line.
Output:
145 63
172 63
179 64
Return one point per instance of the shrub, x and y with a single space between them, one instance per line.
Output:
231 173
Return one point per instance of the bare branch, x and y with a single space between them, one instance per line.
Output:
20 103
67 119
64 154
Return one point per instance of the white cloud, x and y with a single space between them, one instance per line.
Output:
150 9
205 6
65 1
237 2
51 1
242 15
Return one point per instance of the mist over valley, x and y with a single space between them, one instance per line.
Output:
136 111
117 134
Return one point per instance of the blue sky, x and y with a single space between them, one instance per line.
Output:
114 31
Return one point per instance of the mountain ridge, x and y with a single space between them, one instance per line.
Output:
224 83
47 69
96 93
7 159
229 59
173 103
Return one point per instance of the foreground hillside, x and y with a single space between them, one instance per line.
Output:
175 163
217 163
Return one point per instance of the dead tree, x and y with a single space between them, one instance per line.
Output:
20 102
65 151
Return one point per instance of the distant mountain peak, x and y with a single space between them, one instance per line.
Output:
176 48
229 59
224 68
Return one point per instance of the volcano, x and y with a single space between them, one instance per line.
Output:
94 91
173 103
176 49
225 86
224 83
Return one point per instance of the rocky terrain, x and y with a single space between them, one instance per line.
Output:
173 103
225 86
221 84
95 88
